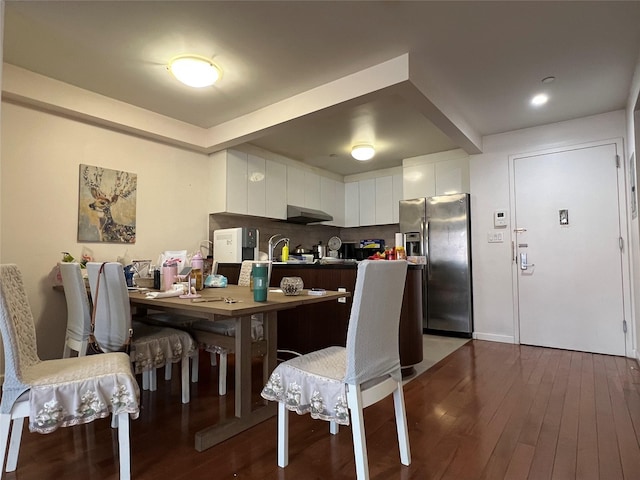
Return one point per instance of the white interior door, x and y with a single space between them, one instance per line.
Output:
568 225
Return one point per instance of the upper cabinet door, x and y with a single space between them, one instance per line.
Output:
384 200
276 192
367 202
396 197
295 186
256 186
419 181
332 200
352 204
236 182
312 190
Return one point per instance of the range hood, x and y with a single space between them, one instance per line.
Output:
306 215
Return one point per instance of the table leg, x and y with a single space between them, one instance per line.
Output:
243 367
245 416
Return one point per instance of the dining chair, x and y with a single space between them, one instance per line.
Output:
218 337
56 393
78 310
151 346
336 383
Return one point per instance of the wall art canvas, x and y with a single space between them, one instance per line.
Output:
107 205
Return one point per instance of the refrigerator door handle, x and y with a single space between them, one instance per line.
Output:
426 248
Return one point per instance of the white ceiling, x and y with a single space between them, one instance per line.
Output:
486 58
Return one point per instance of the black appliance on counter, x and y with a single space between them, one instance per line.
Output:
347 250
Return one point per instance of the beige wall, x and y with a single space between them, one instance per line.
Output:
40 156
493 280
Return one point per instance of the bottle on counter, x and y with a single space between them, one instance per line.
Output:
285 252
197 263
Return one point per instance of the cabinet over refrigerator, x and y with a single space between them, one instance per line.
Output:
439 229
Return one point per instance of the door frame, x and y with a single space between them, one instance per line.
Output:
624 233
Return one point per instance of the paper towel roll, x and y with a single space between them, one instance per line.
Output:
399 240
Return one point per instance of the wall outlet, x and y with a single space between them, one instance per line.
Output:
495 237
343 299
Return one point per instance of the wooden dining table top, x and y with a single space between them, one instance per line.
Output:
241 310
243 301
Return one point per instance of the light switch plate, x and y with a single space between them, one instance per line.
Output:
495 237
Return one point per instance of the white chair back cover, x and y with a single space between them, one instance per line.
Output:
372 337
18 335
113 314
245 273
78 309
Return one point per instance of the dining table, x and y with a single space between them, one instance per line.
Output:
236 302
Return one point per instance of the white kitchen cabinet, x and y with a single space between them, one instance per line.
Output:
452 176
256 186
352 204
295 186
276 190
312 190
338 212
367 195
229 168
332 200
419 181
383 200
247 184
396 197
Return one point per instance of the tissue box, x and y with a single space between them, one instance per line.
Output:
145 282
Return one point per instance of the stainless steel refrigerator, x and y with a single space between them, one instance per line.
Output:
439 229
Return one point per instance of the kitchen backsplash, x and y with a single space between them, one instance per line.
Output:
305 235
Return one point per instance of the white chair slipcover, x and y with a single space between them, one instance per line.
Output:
337 383
78 309
152 346
227 328
56 393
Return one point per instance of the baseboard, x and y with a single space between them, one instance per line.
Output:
491 337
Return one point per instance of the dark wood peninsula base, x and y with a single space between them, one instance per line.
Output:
308 328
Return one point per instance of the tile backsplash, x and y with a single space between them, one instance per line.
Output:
304 235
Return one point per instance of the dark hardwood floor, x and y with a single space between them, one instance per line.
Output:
487 411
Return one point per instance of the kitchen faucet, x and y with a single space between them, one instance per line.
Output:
273 243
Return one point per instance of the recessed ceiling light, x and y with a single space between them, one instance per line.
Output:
194 70
539 99
363 152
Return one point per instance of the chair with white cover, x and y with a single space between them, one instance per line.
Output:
56 393
337 383
151 346
218 337
78 310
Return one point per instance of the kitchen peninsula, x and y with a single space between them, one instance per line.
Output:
312 327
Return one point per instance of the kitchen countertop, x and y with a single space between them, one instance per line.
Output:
349 265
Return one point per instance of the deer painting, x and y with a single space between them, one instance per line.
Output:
107 188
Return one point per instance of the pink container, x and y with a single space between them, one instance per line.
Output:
168 277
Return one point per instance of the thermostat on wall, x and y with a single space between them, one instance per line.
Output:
500 218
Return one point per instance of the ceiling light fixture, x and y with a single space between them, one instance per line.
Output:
363 152
194 70
539 99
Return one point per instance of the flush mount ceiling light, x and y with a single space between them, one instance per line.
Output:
194 71
539 99
363 152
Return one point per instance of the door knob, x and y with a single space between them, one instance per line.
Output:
523 261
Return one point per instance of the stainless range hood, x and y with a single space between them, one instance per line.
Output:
306 215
